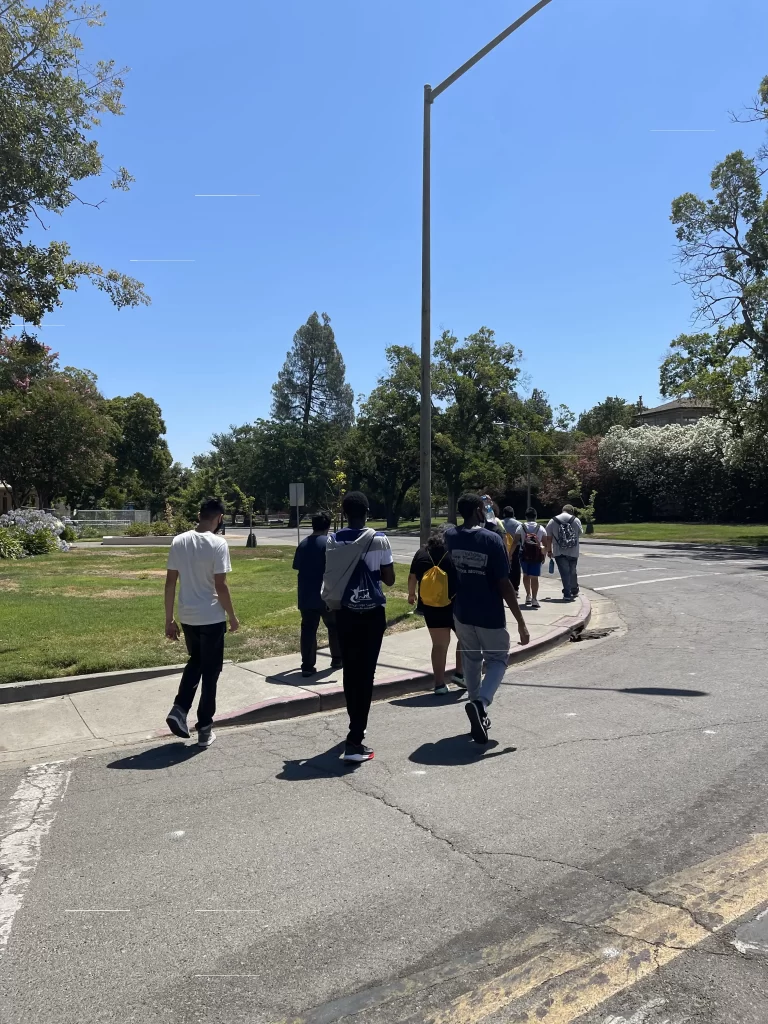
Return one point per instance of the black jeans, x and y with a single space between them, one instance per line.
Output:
310 620
206 657
515 569
360 636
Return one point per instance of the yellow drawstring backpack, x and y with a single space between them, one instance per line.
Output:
433 588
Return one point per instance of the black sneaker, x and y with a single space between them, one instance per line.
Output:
478 720
356 752
177 722
307 673
337 663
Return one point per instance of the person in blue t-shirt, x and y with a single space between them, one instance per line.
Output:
310 562
482 587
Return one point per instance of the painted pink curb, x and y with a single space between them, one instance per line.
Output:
308 701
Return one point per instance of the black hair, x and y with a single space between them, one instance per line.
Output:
468 504
355 505
321 521
212 507
509 512
532 514
436 539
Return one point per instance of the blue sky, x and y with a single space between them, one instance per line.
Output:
550 206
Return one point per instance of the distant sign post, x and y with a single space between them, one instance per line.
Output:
296 495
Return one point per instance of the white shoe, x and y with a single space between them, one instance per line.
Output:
535 603
527 603
205 737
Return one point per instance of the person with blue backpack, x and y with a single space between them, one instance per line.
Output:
357 561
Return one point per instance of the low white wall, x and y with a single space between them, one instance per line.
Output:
138 541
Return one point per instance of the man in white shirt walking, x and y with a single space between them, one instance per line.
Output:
200 561
563 534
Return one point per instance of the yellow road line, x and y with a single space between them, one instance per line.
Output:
643 934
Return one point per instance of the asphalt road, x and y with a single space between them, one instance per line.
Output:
604 861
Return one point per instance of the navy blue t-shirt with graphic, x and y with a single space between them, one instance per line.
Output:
480 560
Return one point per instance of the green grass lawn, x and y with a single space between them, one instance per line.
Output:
98 610
696 533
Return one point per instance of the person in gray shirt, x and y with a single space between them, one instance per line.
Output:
563 533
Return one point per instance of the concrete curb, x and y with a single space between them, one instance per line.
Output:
37 689
674 545
309 702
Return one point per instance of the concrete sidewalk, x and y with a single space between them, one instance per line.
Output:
249 691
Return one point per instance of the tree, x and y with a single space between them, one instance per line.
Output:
140 452
384 446
613 412
473 443
55 437
311 387
51 100
727 375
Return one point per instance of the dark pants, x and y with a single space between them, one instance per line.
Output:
514 569
206 657
360 636
310 620
567 566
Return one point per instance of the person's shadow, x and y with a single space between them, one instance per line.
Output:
164 756
327 765
457 750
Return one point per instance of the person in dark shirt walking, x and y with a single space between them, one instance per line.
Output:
310 562
483 586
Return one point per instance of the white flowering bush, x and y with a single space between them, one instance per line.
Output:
684 471
39 532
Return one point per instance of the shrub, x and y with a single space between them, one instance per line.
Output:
10 544
39 542
161 528
39 532
138 530
69 534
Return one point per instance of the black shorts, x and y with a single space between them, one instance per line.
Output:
438 618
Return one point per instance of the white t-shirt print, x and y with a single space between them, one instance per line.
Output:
198 557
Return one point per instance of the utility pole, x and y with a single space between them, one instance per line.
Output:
528 499
425 418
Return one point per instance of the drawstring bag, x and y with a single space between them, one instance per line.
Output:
363 591
433 589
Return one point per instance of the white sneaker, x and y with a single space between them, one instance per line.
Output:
527 603
535 603
205 737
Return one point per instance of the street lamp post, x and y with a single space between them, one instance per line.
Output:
425 421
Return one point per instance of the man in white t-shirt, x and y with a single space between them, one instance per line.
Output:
530 539
563 534
358 600
199 560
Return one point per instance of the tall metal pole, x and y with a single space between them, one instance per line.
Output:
529 472
425 423
425 419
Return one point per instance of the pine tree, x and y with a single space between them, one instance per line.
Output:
311 387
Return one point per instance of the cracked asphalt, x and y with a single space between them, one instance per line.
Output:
261 881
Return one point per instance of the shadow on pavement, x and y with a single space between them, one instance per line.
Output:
326 765
457 750
431 700
164 756
651 691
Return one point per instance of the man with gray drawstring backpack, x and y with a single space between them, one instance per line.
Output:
563 533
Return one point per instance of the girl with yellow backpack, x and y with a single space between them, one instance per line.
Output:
433 572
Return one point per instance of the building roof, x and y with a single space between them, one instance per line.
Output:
678 403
